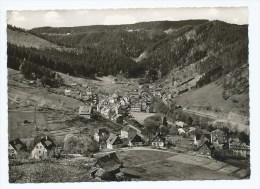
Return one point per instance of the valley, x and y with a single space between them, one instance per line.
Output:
150 96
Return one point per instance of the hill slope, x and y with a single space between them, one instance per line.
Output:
181 56
26 39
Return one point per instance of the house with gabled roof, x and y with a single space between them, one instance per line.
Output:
128 132
202 137
158 140
100 134
136 141
206 148
44 148
106 167
14 147
114 141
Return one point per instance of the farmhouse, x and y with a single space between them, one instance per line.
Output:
135 141
85 111
158 140
128 132
14 147
100 134
45 148
206 148
201 138
114 142
67 92
106 167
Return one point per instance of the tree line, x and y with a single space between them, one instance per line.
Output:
89 63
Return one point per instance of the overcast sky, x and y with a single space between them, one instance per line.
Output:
59 18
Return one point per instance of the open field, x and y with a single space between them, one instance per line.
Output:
212 95
17 128
140 116
163 165
28 40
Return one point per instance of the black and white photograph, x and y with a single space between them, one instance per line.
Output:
128 94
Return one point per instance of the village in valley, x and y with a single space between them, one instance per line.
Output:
117 130
149 101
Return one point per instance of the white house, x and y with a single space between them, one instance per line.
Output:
85 111
43 149
111 100
179 124
114 142
158 140
67 92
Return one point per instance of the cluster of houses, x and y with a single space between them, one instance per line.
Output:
206 142
127 137
42 149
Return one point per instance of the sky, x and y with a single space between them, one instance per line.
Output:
67 18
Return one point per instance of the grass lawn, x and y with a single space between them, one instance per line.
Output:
160 165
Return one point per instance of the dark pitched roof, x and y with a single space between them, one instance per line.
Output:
208 144
102 130
114 139
108 162
136 138
158 138
47 142
17 144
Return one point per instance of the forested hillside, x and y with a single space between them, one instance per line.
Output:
149 50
